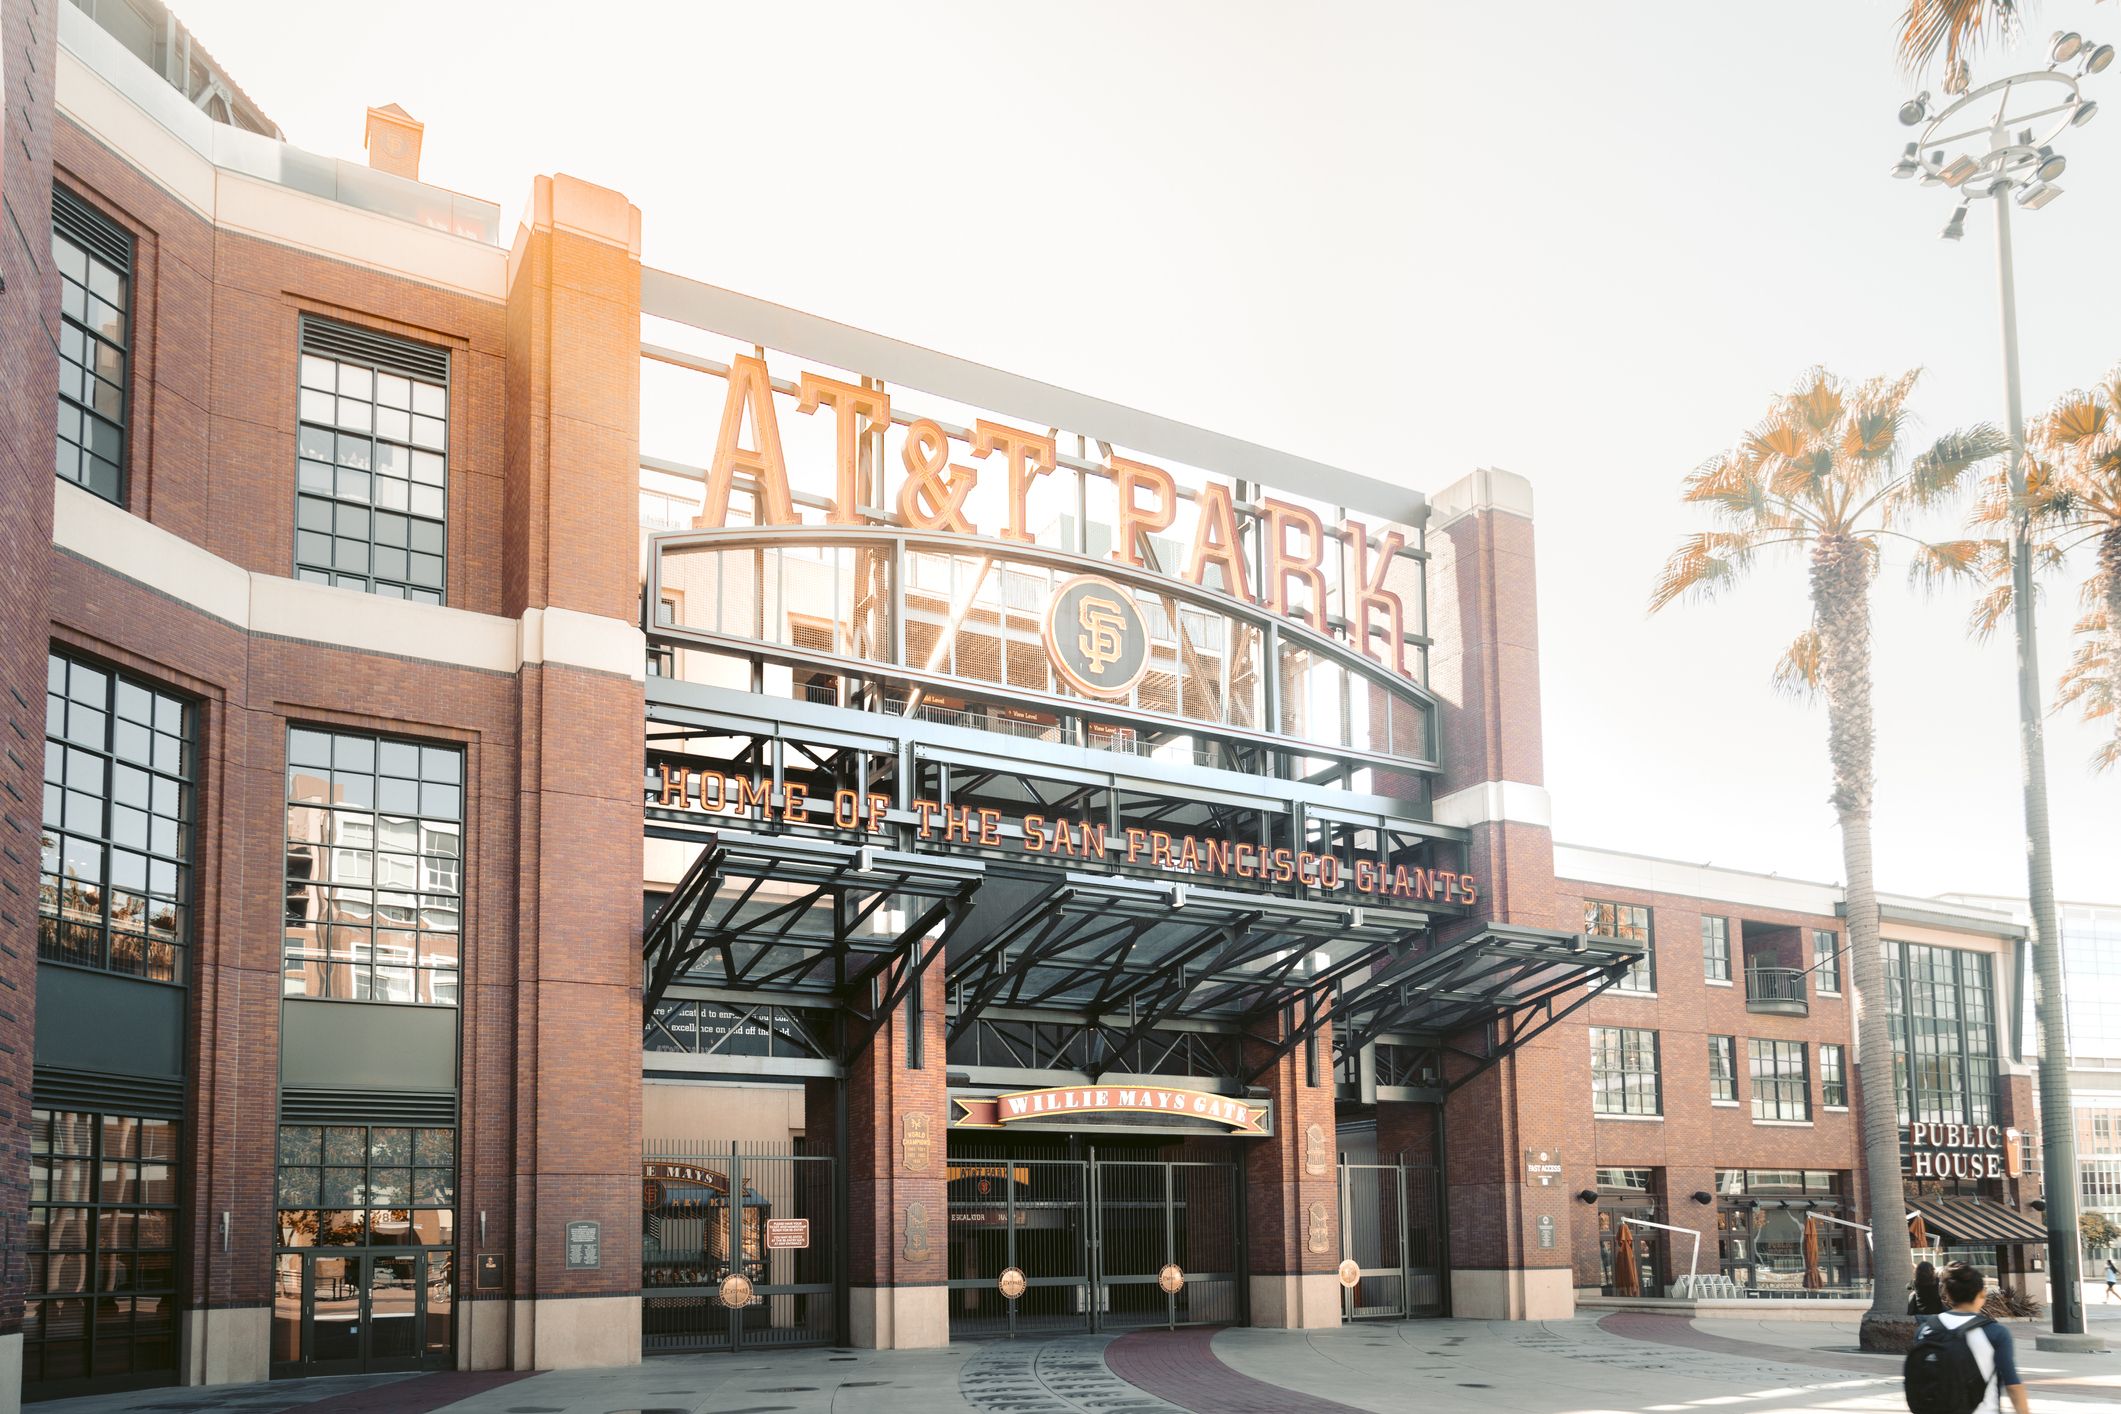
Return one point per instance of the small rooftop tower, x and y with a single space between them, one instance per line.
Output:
393 141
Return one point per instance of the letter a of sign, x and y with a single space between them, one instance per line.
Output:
750 389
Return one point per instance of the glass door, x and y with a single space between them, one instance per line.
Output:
343 1313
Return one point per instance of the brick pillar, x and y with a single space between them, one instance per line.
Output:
29 334
898 1227
570 572
1292 1192
1484 669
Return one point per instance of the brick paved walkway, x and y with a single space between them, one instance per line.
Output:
1179 1366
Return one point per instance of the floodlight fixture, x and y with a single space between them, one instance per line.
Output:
2066 46
1910 163
1955 229
1915 109
2051 164
2038 195
1960 169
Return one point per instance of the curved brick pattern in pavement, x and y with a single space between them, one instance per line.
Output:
1678 1330
1182 1367
1064 1376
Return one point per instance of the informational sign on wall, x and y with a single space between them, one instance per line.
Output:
585 1247
787 1234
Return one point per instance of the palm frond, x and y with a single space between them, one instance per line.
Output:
1797 674
1952 26
1935 564
1990 610
1704 565
1941 472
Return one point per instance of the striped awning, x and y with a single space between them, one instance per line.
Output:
1977 1221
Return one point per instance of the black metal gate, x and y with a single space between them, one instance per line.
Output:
1098 1242
1390 1227
711 1213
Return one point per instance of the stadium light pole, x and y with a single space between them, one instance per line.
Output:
1996 143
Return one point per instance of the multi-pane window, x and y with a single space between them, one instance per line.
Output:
366 1186
371 511
1782 1087
1630 921
1716 949
1833 1076
118 768
102 1247
95 261
375 868
1943 1023
1624 1071
1826 960
1723 1068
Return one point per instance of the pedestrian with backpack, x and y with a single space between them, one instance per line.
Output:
1962 1362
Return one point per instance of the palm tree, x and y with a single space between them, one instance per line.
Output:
2077 503
1953 25
1825 473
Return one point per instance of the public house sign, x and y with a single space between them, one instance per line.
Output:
1963 1151
936 494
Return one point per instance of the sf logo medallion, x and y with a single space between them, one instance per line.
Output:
736 1290
1012 1283
1171 1280
1097 637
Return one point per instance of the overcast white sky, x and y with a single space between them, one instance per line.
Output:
1584 242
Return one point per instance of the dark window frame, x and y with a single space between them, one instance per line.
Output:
1605 918
1826 962
1616 1054
1781 1095
321 828
1723 1084
112 1273
299 1178
1715 948
92 759
1833 1075
340 497
99 239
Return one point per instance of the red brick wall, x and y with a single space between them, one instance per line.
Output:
29 316
1290 1184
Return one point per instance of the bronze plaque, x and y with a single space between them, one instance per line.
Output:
1314 1149
1171 1279
915 1146
1350 1273
488 1271
1319 1228
1096 636
736 1290
916 1230
1011 1283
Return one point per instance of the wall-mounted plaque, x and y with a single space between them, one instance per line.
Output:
1314 1149
1319 1228
585 1248
787 1234
486 1273
916 1147
1546 1230
916 1230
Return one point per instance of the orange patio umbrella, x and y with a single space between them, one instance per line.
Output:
1814 1279
1627 1278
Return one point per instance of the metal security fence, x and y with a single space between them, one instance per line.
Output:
715 1211
1030 1214
1152 1217
1390 1228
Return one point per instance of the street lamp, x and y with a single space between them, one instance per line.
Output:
2001 137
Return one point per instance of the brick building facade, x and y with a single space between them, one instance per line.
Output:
524 732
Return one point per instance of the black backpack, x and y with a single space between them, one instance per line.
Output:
1941 1375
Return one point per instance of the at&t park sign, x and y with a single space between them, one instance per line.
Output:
1061 837
936 493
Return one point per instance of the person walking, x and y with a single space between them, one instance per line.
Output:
2111 1277
1963 1362
1927 1299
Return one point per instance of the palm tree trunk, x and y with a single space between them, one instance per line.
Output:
2110 568
1841 581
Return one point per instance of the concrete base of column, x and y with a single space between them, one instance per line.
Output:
576 1332
1537 1294
226 1345
1306 1302
11 1373
2073 1343
898 1317
482 1334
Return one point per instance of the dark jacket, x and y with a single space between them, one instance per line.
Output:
1932 1304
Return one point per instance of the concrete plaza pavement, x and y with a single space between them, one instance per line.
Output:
1636 1363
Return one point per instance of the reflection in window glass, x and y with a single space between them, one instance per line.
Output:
375 868
94 260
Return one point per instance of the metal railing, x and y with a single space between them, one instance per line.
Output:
1776 989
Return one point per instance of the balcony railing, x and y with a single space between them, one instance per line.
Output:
1778 991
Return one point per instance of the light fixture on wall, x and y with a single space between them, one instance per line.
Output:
1589 1195
1704 1197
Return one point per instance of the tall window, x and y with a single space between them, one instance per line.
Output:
1942 1018
115 890
1723 1068
95 260
1624 1071
1833 1076
1826 960
1625 920
375 868
102 1247
1716 949
372 509
359 1186
1781 1087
